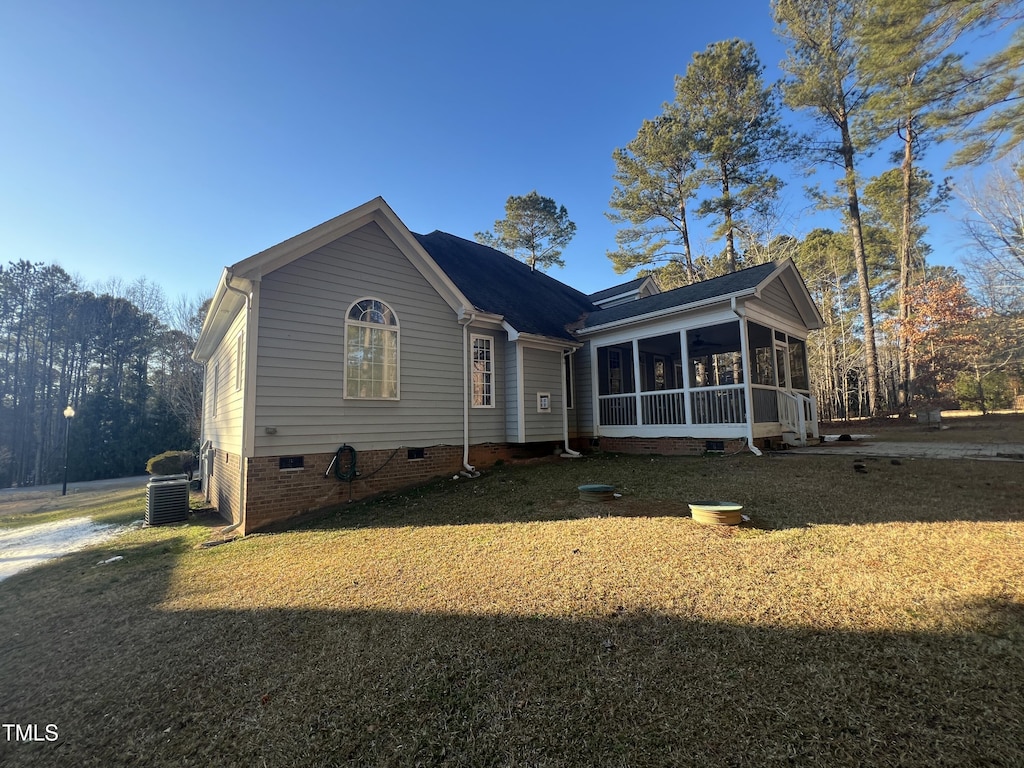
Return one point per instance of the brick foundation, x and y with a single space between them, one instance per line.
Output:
665 446
224 485
275 494
488 454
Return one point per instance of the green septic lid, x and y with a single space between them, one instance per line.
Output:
596 488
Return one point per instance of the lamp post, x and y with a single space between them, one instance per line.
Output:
69 414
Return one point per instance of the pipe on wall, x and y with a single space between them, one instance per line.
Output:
745 348
467 392
241 459
568 453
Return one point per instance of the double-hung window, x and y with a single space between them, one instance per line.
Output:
371 351
483 372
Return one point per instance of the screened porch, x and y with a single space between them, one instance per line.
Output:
707 379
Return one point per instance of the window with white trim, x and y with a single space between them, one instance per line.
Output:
371 351
483 371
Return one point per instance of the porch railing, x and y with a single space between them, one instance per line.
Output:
798 413
710 405
718 405
663 407
617 410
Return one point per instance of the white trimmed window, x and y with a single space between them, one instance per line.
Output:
371 351
483 372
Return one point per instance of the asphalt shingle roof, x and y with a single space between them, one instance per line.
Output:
725 285
531 301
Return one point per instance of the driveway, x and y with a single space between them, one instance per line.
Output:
22 548
922 450
30 545
46 498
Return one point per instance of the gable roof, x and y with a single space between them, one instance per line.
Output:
617 290
237 280
745 282
469 275
623 292
529 300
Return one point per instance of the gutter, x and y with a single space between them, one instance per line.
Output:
747 396
536 340
228 275
667 311
466 318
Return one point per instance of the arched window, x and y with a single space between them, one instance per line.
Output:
371 351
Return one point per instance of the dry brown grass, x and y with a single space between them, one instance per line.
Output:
860 619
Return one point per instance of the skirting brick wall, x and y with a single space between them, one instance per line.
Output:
224 485
665 446
275 495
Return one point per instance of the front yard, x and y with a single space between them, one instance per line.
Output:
859 619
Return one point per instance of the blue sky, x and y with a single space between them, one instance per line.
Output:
169 139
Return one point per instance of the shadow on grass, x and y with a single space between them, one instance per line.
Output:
776 493
128 682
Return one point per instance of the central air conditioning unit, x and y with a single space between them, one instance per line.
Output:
167 499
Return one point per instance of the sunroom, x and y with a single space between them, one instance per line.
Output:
723 370
704 381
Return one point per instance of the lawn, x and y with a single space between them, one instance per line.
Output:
858 619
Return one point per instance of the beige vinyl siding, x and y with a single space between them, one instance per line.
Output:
300 376
542 372
487 425
222 421
512 403
777 300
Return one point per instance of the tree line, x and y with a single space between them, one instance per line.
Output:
885 76
119 355
870 76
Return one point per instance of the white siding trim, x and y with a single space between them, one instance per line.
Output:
594 390
250 328
520 395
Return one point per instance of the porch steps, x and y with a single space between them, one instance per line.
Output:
792 438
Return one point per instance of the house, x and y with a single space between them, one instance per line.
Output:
359 357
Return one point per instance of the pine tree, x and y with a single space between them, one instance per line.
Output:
824 78
655 181
535 230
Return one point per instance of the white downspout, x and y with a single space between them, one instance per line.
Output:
568 453
747 397
467 393
241 460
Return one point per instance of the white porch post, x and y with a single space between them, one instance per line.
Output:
748 396
686 377
636 382
595 391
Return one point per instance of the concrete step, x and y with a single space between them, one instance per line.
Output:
792 438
